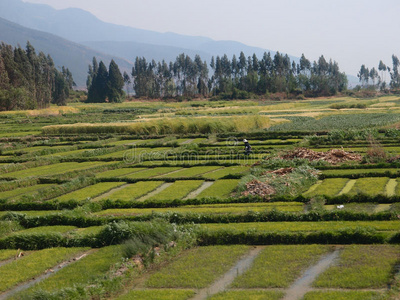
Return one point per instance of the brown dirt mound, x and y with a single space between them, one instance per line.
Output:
258 188
281 171
332 156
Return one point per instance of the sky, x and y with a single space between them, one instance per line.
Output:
351 32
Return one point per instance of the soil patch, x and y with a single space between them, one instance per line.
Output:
332 156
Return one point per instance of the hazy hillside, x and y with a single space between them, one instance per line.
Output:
68 23
64 53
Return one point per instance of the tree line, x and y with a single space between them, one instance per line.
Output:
372 79
237 77
29 80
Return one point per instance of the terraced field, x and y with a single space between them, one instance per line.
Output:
154 215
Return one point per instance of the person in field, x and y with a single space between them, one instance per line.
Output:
247 147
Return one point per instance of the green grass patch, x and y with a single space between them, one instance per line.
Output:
161 294
369 186
305 226
19 192
33 265
226 171
248 295
343 295
345 172
279 266
90 191
149 173
118 172
231 208
135 191
197 268
191 172
82 272
51 170
353 207
220 189
7 254
361 266
46 229
177 190
328 187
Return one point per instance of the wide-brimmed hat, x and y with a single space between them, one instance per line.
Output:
245 140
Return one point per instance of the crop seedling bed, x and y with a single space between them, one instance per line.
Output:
197 268
361 266
19 192
178 190
328 187
45 229
150 173
51 170
226 171
190 172
369 186
134 191
118 172
344 295
344 172
209 209
90 192
7 254
305 226
33 265
84 271
354 207
248 295
157 294
279 266
220 189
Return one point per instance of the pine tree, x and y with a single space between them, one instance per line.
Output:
115 83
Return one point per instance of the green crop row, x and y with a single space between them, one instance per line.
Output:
90 191
118 172
279 266
81 272
191 172
197 268
178 190
220 189
361 266
134 191
158 294
305 226
34 264
212 209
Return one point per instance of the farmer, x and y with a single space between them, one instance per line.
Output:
247 147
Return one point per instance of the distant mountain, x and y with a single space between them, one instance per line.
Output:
82 27
64 53
126 42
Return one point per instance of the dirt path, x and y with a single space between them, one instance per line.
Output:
195 193
156 191
187 142
391 187
48 273
109 193
303 285
349 185
221 284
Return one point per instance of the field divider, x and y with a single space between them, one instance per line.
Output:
195 193
155 192
303 284
349 185
109 192
222 284
25 285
